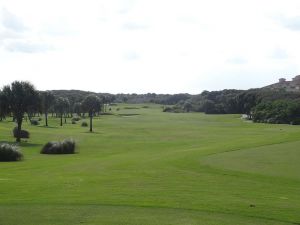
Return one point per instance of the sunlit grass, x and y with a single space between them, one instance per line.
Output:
149 167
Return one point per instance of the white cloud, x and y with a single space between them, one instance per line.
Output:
149 46
11 21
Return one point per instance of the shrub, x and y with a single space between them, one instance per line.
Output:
84 124
10 153
39 119
34 122
167 109
73 122
55 147
23 133
75 119
145 107
174 109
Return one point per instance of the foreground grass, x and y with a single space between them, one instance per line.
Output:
148 167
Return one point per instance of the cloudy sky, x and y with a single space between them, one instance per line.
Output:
141 46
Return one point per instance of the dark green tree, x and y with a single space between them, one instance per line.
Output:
77 108
187 106
21 96
4 106
47 100
91 104
61 106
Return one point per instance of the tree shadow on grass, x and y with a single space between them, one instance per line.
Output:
128 114
49 127
94 132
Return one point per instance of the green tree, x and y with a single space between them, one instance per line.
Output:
77 108
91 104
187 106
47 100
21 96
4 106
61 106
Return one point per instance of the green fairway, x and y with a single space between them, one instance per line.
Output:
142 167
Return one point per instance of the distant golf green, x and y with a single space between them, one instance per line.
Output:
141 166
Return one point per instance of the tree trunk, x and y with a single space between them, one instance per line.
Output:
61 119
46 118
18 139
91 122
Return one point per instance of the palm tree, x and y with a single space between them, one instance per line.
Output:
4 106
21 96
47 100
91 104
61 106
77 108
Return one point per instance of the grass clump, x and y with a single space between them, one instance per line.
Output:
59 147
34 122
174 109
23 133
75 119
10 153
84 124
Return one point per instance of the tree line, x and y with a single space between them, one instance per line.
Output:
21 100
261 105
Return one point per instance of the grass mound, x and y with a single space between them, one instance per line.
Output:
55 147
22 134
34 122
10 153
76 118
84 124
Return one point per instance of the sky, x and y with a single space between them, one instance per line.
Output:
142 46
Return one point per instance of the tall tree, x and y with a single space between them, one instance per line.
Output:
77 108
61 106
4 106
91 104
47 100
21 96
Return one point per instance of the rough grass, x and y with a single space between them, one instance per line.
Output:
59 147
155 168
10 153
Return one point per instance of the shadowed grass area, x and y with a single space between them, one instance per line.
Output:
155 168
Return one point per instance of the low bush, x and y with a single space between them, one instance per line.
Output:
75 119
39 119
174 109
10 153
57 147
84 124
73 122
23 133
34 122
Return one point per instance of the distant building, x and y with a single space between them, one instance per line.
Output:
293 85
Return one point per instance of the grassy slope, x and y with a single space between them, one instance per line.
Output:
155 168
